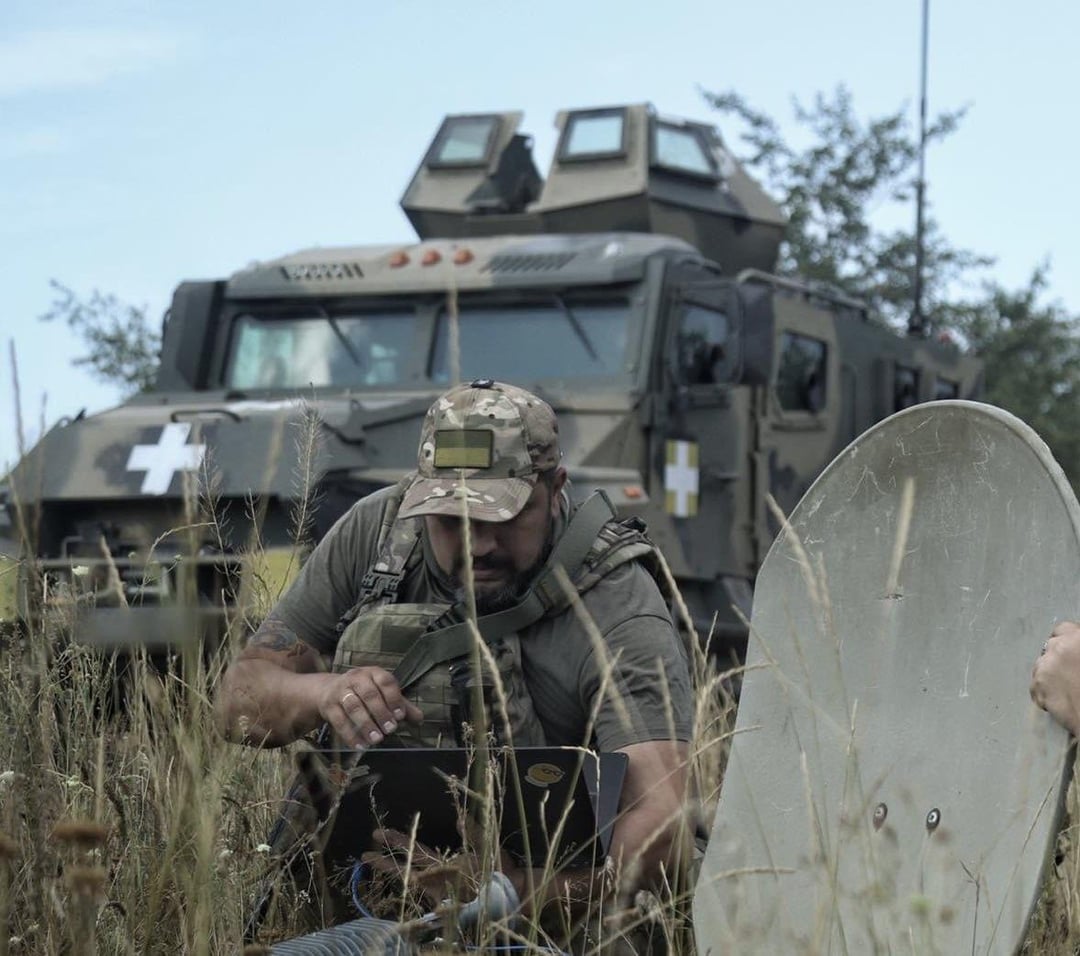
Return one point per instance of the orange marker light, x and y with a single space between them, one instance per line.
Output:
463 257
431 256
633 491
399 259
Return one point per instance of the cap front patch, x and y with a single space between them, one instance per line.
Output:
463 448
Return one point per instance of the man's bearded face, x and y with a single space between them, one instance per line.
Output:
506 555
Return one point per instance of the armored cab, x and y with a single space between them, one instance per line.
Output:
631 287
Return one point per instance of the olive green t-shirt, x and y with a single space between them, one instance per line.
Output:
632 671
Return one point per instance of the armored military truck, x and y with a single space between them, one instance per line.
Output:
631 288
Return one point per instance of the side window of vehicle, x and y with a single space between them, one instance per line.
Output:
705 350
943 388
905 387
801 378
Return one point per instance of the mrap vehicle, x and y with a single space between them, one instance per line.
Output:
631 288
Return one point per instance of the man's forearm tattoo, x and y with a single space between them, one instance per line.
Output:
275 635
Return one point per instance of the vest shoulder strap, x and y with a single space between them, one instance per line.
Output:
395 552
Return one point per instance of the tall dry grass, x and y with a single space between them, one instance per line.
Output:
127 825
139 830
132 830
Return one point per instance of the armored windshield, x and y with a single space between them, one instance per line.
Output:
573 338
359 350
524 342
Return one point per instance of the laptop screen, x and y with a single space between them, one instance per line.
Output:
555 806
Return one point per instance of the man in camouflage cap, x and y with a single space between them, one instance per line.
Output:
486 442
478 528
483 448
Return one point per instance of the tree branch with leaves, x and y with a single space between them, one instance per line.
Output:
122 348
835 190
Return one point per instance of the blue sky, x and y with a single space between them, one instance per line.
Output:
142 143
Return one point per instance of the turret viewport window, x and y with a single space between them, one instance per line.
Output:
594 134
800 380
464 141
681 149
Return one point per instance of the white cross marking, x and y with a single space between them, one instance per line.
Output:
168 456
681 478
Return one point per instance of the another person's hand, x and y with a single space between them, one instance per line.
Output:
365 704
1055 679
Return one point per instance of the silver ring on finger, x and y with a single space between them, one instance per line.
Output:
348 694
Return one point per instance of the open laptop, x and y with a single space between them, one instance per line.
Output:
555 805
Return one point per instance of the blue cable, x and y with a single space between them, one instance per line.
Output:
354 886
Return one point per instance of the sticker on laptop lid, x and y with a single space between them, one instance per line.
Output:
543 774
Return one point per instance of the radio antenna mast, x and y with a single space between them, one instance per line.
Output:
917 323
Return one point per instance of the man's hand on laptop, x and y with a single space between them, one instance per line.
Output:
438 878
433 876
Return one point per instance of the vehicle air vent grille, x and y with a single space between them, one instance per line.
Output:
321 271
529 262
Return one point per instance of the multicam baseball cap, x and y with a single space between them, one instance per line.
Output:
486 443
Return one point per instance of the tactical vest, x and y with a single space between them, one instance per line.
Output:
430 648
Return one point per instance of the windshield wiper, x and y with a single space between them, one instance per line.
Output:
579 329
358 360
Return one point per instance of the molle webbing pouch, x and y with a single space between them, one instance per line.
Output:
508 705
381 636
443 689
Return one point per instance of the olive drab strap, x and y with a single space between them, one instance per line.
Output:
547 595
617 543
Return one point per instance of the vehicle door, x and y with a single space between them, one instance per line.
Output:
702 447
800 410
